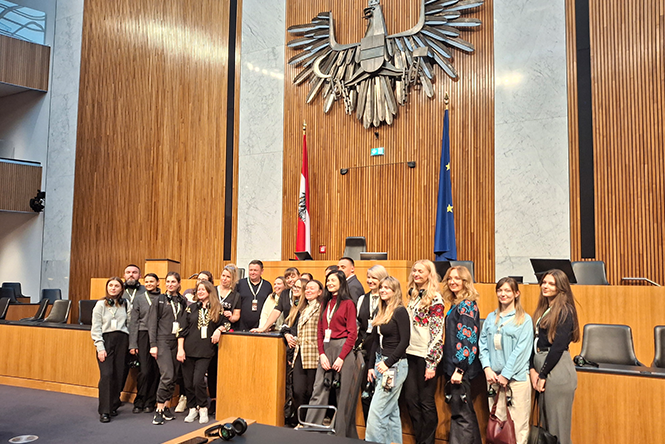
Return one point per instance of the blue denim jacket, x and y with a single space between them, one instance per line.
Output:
512 361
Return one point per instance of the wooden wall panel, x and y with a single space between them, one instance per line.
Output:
19 182
628 93
150 163
24 63
380 198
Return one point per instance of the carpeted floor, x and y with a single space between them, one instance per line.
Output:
61 418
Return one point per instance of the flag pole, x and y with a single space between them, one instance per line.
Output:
446 99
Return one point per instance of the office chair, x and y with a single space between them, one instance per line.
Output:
60 312
41 311
4 305
52 294
659 341
609 344
353 246
85 311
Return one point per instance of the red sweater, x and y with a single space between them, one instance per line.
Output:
342 324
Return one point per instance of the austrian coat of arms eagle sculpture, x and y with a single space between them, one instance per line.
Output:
374 76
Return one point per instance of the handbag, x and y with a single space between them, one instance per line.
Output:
500 432
538 434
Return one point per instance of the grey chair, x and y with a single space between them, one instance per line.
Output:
590 273
85 311
16 286
41 311
467 264
4 305
353 246
609 344
60 312
6 292
52 294
659 341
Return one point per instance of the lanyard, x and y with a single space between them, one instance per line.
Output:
147 298
131 297
373 306
539 319
203 317
175 310
254 293
329 313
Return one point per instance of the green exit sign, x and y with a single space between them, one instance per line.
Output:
377 151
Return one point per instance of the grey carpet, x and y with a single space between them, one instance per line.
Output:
61 418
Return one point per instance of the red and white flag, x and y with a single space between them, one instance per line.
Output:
303 240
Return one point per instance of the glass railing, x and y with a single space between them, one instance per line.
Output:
22 23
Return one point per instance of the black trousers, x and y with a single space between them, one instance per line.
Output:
169 369
303 384
148 377
193 373
464 427
212 375
419 397
366 401
111 371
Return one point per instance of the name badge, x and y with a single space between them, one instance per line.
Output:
114 324
176 328
204 332
255 305
497 341
369 326
327 335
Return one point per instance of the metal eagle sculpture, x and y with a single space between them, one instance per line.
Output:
373 76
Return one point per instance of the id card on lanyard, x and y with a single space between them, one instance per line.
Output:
329 316
255 301
176 324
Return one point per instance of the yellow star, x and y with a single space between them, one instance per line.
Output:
448 167
449 209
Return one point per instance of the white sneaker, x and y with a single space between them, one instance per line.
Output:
203 415
192 415
182 404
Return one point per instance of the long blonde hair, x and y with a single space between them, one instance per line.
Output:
431 288
468 292
377 272
215 306
387 309
519 310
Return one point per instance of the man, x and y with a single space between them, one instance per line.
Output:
133 289
348 266
139 346
285 302
253 291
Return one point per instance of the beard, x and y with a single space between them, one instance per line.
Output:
131 283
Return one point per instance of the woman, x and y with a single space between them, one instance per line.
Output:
368 308
336 336
460 354
301 335
163 325
111 336
505 348
201 325
271 302
230 302
425 309
190 293
392 329
552 369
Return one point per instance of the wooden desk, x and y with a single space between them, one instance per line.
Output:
252 377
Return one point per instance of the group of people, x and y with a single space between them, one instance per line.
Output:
342 341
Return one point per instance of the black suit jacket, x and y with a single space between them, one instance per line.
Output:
355 288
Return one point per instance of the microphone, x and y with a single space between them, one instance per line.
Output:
193 276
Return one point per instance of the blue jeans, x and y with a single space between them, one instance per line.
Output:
383 422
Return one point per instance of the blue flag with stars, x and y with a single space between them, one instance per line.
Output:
445 246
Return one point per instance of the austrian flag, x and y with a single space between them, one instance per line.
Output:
303 242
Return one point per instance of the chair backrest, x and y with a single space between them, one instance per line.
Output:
60 312
590 273
353 246
4 304
7 292
609 344
52 294
467 264
659 340
16 286
85 311
41 310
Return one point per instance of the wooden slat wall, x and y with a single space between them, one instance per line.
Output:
24 63
150 163
628 91
18 184
381 198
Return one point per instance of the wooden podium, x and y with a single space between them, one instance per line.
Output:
251 379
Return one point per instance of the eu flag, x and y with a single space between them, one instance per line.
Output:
445 247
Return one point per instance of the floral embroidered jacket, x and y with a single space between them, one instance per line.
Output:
461 346
426 331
